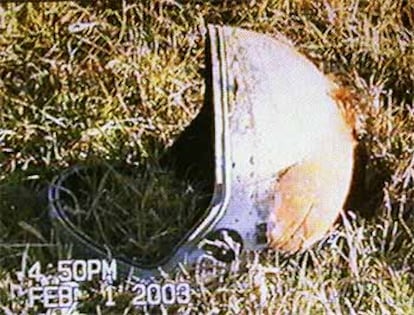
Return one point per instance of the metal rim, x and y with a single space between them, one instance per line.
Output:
220 197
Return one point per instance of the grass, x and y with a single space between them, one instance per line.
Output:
141 215
122 88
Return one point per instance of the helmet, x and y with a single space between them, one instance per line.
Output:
281 154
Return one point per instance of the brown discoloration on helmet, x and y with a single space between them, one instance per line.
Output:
310 194
347 102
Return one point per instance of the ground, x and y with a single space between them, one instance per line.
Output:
117 82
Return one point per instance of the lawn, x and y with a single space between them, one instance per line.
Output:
116 82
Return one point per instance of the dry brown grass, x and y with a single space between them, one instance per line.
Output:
123 87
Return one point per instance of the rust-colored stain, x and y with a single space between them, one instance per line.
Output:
309 195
